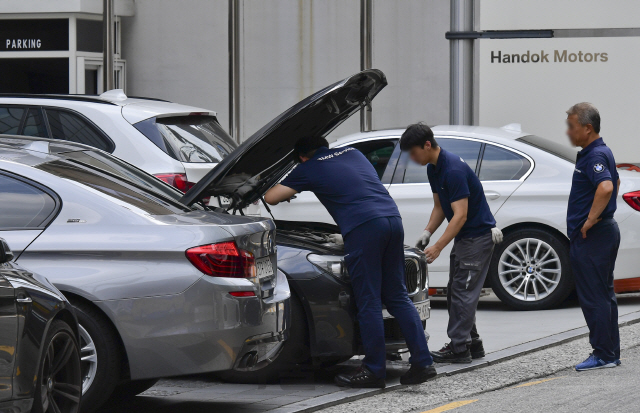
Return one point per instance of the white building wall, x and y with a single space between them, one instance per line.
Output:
290 48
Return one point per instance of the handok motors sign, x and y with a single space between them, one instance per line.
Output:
556 56
534 81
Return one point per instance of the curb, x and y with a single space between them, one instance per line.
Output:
350 395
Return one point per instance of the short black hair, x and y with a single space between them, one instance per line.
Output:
417 135
308 145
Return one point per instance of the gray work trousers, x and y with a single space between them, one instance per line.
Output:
469 264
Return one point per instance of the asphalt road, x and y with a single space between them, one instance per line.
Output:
598 391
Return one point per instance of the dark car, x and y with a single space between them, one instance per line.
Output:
39 353
323 329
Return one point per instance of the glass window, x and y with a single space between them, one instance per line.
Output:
10 118
467 150
378 152
34 125
562 151
119 189
189 138
23 206
499 164
67 126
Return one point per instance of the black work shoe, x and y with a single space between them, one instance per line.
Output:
447 355
362 379
476 348
417 375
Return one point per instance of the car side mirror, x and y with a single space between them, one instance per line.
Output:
6 254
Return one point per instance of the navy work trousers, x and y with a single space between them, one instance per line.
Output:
592 261
375 260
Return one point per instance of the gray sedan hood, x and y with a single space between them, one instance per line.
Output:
263 159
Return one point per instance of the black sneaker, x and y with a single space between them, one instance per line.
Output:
362 379
447 355
476 348
417 375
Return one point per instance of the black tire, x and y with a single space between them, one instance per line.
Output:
565 284
130 389
60 346
108 352
294 356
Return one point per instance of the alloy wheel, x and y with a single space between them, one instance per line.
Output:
60 380
88 359
529 269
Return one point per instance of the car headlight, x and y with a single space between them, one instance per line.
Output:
331 264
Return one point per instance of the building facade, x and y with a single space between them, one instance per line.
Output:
178 50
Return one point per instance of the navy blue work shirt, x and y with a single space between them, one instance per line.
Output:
452 179
594 164
346 183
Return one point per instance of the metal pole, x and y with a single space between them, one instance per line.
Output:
366 13
234 69
461 55
107 44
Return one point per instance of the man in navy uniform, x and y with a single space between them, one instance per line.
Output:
348 186
594 235
459 197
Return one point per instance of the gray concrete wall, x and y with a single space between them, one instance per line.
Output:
290 48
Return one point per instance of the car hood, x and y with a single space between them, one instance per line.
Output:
260 161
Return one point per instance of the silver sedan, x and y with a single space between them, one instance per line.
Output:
161 288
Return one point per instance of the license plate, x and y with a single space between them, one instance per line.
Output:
264 268
423 310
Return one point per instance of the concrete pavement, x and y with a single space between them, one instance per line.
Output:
505 332
448 392
568 391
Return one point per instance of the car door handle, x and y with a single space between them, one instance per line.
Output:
492 194
24 300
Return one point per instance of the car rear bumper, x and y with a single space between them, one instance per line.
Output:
203 329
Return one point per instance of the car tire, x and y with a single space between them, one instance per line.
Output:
106 350
60 343
546 278
293 357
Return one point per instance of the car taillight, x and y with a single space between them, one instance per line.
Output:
633 199
223 260
176 180
242 293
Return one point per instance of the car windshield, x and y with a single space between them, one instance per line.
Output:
189 138
554 148
119 180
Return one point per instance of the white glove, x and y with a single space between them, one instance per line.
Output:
336 239
496 235
423 241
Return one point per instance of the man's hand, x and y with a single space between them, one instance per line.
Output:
279 193
432 253
336 239
590 222
423 241
496 235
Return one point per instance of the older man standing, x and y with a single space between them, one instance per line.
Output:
594 234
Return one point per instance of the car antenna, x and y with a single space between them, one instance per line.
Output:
267 207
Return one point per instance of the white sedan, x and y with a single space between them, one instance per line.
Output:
526 180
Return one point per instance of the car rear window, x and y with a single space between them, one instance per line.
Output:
196 139
549 146
117 179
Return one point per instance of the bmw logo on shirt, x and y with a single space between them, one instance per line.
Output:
598 167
